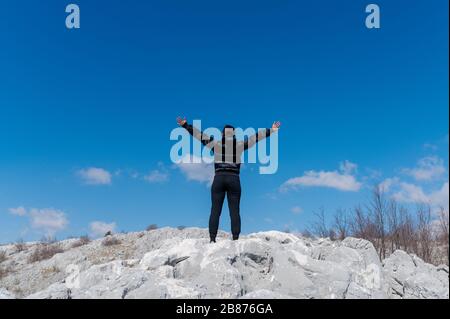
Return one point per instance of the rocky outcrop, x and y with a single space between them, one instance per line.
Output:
170 263
411 278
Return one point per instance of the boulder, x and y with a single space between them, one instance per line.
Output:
409 277
171 263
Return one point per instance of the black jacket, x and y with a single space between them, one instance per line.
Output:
227 152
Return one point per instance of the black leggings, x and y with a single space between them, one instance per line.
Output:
231 185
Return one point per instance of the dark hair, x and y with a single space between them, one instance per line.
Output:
228 126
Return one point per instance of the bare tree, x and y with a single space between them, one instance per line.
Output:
307 233
407 232
443 225
393 226
389 226
332 234
358 223
378 213
424 232
443 233
319 227
341 224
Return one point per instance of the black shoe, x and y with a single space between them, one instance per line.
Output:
235 237
212 240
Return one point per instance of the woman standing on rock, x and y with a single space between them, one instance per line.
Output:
227 156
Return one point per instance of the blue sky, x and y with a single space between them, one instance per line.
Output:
85 115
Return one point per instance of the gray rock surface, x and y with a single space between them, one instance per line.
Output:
172 263
411 278
5 294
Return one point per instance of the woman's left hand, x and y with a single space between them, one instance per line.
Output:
276 126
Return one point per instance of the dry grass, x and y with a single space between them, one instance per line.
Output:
16 290
111 241
44 251
48 240
83 240
5 271
20 246
47 272
3 256
151 227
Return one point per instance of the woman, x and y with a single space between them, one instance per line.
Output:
227 156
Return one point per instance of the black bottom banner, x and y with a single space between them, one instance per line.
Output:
215 308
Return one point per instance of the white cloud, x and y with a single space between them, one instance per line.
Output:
430 146
19 211
196 170
296 210
440 197
410 193
95 176
442 142
48 221
428 168
373 174
388 183
159 175
333 179
134 175
99 229
271 195
156 176
348 167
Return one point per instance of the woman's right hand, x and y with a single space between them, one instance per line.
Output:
181 121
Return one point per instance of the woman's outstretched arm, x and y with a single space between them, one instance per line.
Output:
262 134
203 138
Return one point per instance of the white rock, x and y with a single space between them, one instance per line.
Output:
410 278
171 263
264 294
5 294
